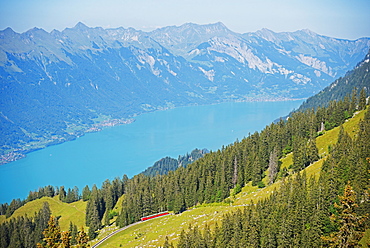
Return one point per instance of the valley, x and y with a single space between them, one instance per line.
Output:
301 181
130 149
154 232
128 72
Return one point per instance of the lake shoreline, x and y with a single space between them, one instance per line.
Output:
18 154
130 149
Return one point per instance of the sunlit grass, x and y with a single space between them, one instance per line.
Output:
74 212
152 233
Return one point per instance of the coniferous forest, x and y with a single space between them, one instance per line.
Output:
304 212
132 82
327 211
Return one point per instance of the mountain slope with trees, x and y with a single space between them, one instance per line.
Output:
302 211
357 79
206 219
305 211
211 214
167 164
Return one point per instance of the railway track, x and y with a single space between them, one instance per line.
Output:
113 233
154 216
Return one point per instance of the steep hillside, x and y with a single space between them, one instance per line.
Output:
56 86
154 232
72 212
168 164
230 179
358 78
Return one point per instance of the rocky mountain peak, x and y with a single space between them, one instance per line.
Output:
81 26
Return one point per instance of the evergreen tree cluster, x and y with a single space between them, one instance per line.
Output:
25 231
305 212
167 164
71 195
101 203
42 230
211 178
54 238
8 209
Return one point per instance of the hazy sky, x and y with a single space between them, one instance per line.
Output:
349 19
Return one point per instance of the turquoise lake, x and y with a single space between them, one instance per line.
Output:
130 149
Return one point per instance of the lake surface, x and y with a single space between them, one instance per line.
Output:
130 149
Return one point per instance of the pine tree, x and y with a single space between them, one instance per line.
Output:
273 165
74 232
52 233
82 239
41 222
179 204
299 153
353 104
70 196
62 194
167 244
351 228
86 193
183 240
66 240
94 224
107 217
312 151
207 236
76 195
15 239
362 100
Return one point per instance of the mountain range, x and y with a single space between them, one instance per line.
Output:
56 86
354 81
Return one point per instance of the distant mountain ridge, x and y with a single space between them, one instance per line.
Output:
56 86
167 164
358 78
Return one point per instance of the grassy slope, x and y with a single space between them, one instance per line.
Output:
74 212
152 233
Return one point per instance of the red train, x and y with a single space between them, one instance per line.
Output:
154 216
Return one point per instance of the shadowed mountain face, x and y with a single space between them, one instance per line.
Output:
55 86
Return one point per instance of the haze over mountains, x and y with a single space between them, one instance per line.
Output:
57 85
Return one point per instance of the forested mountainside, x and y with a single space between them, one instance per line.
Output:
211 178
168 164
56 86
357 79
298 212
331 211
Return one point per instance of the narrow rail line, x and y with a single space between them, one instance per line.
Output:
113 233
121 229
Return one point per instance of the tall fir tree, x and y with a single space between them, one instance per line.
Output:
273 165
362 100
351 228
86 193
82 239
62 194
66 239
74 232
52 236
